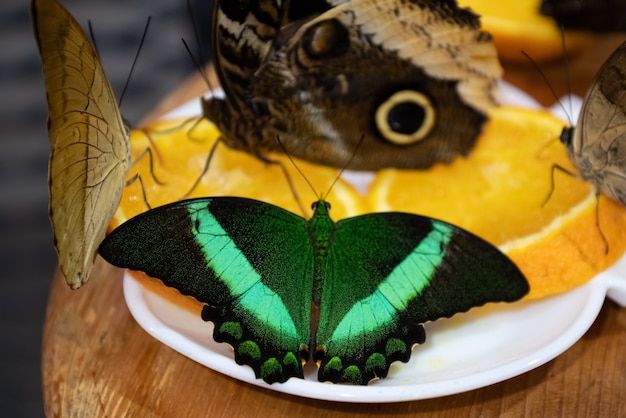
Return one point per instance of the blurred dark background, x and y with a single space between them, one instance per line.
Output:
27 257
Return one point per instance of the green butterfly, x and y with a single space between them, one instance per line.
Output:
276 286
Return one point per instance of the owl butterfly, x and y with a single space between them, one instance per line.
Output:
597 146
417 78
90 155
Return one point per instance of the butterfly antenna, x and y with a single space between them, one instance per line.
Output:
568 79
201 52
93 37
288 177
296 165
201 70
346 165
197 64
132 68
548 83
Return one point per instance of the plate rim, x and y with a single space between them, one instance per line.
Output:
595 292
610 282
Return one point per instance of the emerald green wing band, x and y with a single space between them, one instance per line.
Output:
258 305
409 270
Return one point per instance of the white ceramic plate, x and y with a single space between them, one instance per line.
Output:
471 350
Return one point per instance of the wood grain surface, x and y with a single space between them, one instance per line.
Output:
98 362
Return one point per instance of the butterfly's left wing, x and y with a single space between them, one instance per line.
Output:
389 273
416 78
90 149
597 146
243 32
249 262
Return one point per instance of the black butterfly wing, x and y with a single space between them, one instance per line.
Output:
386 275
249 262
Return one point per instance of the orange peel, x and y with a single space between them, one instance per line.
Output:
498 192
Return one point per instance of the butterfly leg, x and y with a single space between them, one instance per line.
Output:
287 177
148 151
137 177
606 242
556 167
205 169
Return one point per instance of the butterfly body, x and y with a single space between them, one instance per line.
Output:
372 280
417 78
597 146
90 151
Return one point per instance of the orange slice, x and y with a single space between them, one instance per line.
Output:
499 192
179 154
519 26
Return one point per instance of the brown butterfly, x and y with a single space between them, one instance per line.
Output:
597 146
417 78
90 156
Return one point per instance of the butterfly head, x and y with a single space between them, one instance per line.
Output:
320 207
566 137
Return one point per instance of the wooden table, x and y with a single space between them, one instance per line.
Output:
98 362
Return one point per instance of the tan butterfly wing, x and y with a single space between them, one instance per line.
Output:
445 44
597 146
90 156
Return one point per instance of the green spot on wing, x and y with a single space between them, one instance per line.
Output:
375 363
249 349
291 360
352 374
270 369
334 365
394 346
233 329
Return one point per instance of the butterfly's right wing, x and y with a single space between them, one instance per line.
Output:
597 145
90 155
249 262
389 273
